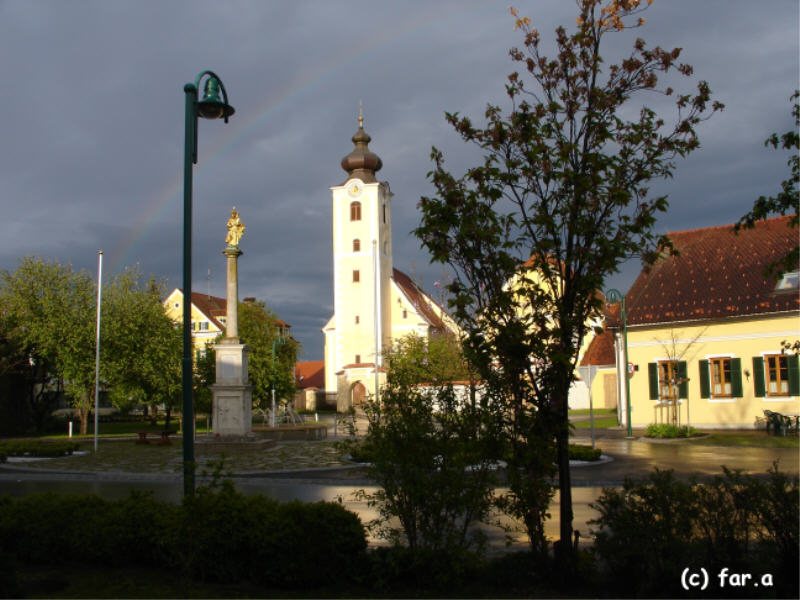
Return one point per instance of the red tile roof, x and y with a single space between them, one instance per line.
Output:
211 306
420 300
310 373
601 349
717 274
214 307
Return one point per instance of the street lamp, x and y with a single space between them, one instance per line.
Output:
613 297
210 107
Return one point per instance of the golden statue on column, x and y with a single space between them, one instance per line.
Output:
235 229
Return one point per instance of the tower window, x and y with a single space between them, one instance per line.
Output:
355 211
357 319
358 358
405 314
356 276
356 245
384 213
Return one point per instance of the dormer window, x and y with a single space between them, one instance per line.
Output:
790 282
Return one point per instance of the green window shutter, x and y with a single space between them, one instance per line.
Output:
683 387
705 383
794 375
652 374
736 378
758 377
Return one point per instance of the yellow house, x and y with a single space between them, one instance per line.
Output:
579 391
706 330
208 317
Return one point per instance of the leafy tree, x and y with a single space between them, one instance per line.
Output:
258 328
560 199
437 359
430 448
51 313
140 346
272 357
786 201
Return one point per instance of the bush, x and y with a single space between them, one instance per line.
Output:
665 430
38 448
226 537
581 452
431 455
654 528
217 535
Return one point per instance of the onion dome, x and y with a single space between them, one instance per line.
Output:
362 163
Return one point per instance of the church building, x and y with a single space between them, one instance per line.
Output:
374 303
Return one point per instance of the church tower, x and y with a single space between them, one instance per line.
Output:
362 274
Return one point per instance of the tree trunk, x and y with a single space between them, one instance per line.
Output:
83 415
564 552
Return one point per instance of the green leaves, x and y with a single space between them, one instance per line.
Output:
558 201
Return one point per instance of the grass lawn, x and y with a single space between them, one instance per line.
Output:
599 423
126 428
760 439
597 411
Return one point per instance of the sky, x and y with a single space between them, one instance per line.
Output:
92 125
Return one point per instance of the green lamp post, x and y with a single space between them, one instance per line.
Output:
613 297
210 107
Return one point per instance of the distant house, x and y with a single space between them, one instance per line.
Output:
601 354
523 283
705 330
309 377
208 317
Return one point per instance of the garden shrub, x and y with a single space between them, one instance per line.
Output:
216 535
51 528
581 452
430 454
226 537
400 570
667 430
38 448
654 528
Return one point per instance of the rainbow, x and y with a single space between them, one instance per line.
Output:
169 196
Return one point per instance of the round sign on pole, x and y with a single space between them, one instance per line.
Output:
631 368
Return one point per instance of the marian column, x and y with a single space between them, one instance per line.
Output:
232 414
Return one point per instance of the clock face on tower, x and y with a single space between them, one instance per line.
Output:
354 189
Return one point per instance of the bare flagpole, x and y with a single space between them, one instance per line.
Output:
97 347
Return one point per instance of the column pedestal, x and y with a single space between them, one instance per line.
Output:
233 400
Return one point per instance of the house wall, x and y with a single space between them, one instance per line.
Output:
354 301
602 396
173 306
742 338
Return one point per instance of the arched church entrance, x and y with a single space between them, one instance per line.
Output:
359 393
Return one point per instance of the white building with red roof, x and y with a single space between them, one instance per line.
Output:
374 303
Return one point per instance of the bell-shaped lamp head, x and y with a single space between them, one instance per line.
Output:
211 106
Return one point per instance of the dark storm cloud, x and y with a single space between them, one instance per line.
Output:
92 124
